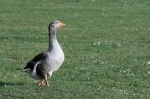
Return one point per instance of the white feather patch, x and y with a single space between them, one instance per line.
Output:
34 70
34 75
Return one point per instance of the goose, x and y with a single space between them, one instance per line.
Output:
45 63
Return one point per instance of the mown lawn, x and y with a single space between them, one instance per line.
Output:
106 45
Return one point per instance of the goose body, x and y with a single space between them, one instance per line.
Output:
45 63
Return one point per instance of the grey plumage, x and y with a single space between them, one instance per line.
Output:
45 63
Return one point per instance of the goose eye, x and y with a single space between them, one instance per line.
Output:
57 22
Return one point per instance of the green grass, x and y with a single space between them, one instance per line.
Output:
106 43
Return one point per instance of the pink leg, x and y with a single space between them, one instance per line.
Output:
41 82
47 84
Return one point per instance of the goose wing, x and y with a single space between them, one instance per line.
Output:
40 57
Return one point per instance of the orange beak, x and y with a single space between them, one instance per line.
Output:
61 24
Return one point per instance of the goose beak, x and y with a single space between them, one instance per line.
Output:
61 24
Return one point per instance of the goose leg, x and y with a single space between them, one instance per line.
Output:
41 82
47 84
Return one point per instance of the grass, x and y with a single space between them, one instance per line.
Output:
106 43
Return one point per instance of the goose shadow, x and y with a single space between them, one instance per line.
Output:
10 83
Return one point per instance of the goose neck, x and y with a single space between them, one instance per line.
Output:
52 39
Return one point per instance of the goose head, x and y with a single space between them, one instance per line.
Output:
55 25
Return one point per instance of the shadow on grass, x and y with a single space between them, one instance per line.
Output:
9 83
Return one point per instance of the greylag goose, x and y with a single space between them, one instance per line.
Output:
44 64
